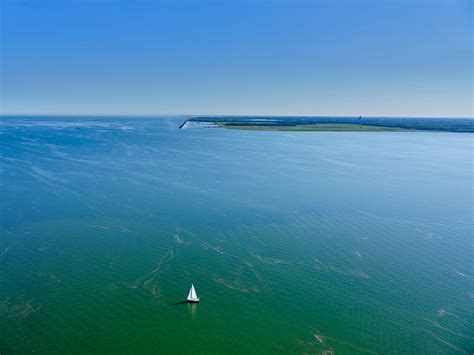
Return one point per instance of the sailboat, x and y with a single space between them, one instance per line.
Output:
192 297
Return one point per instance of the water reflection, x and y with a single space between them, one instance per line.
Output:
192 307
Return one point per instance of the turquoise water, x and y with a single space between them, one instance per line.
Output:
301 242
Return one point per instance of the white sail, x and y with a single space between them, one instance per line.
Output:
192 296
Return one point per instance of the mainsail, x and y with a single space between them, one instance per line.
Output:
192 296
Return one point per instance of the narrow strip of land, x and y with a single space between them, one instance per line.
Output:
321 127
333 124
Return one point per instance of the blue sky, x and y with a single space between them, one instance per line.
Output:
348 57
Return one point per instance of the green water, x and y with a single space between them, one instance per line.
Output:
296 242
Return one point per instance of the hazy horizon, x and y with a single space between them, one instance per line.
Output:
161 115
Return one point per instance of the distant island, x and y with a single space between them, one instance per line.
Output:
334 124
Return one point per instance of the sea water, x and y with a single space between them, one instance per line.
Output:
302 242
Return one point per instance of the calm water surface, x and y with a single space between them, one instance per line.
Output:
301 242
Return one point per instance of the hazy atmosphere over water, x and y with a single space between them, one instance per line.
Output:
380 57
296 242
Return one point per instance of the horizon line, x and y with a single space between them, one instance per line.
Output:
161 115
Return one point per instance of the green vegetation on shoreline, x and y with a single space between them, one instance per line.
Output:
338 124
317 127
